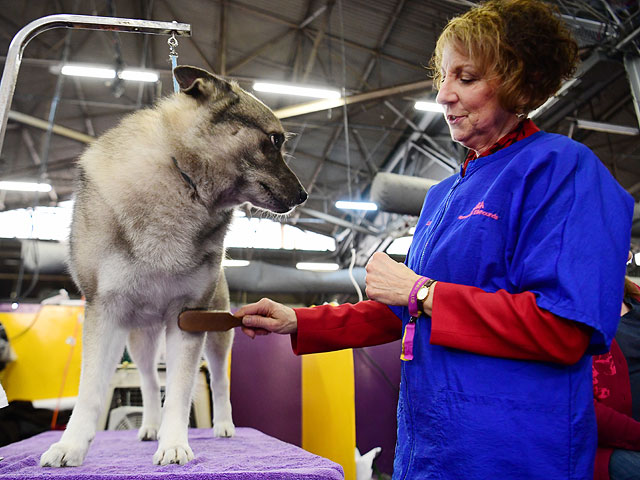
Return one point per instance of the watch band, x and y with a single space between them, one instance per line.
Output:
428 286
413 301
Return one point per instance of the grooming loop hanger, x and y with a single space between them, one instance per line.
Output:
82 22
173 56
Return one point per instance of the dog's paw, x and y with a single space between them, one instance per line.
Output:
148 433
63 455
224 429
179 454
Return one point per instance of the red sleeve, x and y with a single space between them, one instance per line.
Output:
505 325
616 429
326 327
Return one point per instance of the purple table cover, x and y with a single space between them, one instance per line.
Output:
120 455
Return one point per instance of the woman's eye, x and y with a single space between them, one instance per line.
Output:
467 78
277 139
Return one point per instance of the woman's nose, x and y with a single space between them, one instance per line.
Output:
446 93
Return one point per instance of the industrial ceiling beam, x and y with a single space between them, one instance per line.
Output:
383 40
44 125
258 51
364 152
31 170
439 151
264 14
147 7
334 53
363 81
222 39
326 104
632 66
321 160
195 46
311 59
83 107
583 68
368 230
31 148
585 97
267 45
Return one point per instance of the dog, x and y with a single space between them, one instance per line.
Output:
154 199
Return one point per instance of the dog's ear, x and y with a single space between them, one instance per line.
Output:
200 84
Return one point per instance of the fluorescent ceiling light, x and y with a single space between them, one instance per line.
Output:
429 107
318 267
93 72
287 89
139 75
227 262
105 72
25 186
345 205
606 127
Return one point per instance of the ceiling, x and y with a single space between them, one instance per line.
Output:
376 51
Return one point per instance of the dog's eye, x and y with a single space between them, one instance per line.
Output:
277 139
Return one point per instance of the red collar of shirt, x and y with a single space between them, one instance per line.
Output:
522 130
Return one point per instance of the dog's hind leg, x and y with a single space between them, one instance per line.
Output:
143 347
217 349
102 347
184 351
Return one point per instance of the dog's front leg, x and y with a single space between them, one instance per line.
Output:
184 351
143 347
102 347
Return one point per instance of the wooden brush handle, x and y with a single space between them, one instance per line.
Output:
207 321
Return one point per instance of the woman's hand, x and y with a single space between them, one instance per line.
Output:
267 316
388 281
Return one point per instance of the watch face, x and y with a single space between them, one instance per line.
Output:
422 293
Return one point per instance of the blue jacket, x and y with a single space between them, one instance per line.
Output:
543 215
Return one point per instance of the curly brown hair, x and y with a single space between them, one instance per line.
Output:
524 43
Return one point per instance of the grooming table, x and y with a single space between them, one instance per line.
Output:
119 455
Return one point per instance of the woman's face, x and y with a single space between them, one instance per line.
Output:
471 107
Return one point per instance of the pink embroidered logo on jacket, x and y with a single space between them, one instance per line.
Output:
479 210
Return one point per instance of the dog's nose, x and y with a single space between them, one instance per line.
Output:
302 196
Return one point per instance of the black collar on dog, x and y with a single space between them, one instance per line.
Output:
185 177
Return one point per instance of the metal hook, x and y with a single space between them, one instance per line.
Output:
173 43
173 57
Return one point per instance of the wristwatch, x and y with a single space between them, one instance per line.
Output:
423 294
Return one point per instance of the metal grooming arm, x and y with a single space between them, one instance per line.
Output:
82 22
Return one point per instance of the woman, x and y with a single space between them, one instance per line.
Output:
616 391
496 381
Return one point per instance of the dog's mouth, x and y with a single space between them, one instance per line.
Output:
277 204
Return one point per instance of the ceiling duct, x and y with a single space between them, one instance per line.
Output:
400 193
49 257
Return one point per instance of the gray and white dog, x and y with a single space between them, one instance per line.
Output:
154 201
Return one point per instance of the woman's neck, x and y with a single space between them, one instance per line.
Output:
509 126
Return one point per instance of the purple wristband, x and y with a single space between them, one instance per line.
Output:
413 301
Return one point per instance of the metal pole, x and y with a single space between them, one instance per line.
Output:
83 22
632 65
